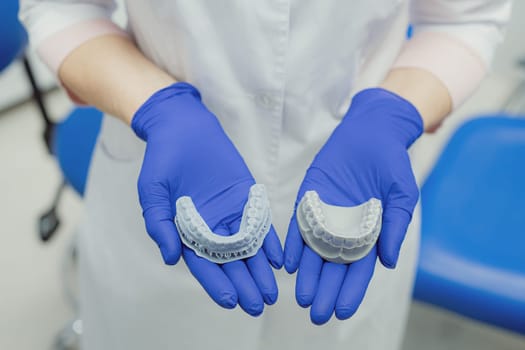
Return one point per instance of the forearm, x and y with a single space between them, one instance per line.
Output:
110 73
448 55
426 92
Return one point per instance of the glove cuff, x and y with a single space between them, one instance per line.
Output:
142 118
401 113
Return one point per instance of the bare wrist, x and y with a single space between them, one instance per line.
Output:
142 93
424 91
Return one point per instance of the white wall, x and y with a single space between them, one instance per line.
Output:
513 48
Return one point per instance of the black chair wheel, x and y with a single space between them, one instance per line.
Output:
48 224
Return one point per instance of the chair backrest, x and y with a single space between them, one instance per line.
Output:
74 141
472 256
13 37
474 200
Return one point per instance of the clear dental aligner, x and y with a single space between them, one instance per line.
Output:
339 234
255 224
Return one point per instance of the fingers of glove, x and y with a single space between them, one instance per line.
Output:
394 228
332 277
271 244
354 286
273 249
212 278
160 227
250 298
293 247
308 277
249 290
263 276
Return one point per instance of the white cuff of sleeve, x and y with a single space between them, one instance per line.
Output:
54 49
455 64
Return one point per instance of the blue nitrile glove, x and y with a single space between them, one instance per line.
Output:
366 156
189 154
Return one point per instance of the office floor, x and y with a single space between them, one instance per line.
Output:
33 307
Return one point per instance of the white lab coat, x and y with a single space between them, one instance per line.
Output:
279 75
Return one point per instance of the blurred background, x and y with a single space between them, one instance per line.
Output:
470 288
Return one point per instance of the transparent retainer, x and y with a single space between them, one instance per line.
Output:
255 224
339 234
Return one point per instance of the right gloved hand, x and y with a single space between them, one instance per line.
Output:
189 154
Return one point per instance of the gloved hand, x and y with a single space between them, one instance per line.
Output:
366 156
188 154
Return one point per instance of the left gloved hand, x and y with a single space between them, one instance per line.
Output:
366 156
189 154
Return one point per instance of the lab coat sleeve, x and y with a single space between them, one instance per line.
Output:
455 40
57 27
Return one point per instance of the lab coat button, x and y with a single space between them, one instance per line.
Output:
265 100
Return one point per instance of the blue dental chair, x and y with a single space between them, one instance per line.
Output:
472 256
72 140
72 143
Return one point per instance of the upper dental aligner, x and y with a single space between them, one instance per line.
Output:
350 238
255 224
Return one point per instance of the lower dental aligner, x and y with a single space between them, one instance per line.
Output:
339 234
255 224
